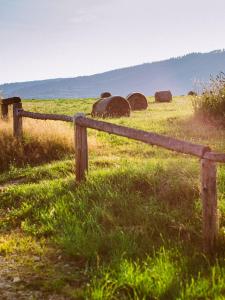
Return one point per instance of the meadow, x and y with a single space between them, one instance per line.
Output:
132 230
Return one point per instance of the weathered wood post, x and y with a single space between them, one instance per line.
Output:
81 148
4 111
17 121
5 104
209 203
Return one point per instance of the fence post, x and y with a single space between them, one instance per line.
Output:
209 203
4 111
81 148
17 121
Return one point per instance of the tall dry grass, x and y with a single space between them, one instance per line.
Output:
42 142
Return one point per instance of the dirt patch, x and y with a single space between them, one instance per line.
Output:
14 286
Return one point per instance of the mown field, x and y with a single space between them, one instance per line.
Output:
131 231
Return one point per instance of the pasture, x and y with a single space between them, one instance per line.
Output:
131 231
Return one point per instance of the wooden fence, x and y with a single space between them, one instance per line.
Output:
5 104
208 158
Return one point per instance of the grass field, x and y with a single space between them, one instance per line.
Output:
132 230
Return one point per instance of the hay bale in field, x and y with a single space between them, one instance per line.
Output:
192 93
105 95
163 96
137 101
114 106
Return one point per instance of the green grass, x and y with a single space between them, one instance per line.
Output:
133 229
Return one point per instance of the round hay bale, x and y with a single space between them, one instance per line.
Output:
105 95
192 93
137 101
114 106
163 96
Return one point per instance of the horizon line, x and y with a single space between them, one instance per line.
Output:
117 69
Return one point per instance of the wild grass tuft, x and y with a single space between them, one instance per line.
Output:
211 104
153 278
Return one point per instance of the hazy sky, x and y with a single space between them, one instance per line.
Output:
65 38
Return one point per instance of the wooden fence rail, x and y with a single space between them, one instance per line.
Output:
38 116
208 158
144 136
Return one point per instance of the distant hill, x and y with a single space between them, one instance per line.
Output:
176 74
